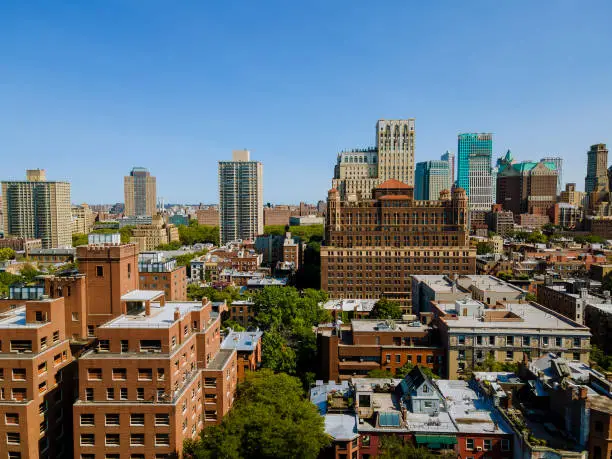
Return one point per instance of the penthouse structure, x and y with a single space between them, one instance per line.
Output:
156 272
355 349
508 332
156 377
36 381
373 246
248 346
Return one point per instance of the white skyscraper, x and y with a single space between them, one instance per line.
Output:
240 197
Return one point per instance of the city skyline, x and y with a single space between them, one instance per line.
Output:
74 90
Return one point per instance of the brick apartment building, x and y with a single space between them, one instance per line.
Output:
373 246
20 244
156 376
208 216
37 373
355 349
157 273
248 346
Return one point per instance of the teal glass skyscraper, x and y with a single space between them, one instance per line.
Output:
474 169
431 177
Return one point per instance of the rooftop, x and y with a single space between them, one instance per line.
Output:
16 318
350 305
268 281
370 325
444 284
221 359
242 341
526 316
342 427
160 317
142 295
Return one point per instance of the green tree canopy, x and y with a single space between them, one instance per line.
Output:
174 245
79 239
7 254
537 237
195 233
306 233
482 248
386 309
394 447
270 419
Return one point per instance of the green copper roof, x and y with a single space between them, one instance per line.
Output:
526 166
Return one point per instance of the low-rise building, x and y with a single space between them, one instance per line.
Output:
306 220
241 312
248 346
355 349
348 308
511 331
598 317
568 298
149 237
49 257
20 244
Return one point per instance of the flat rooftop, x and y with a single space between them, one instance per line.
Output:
470 412
534 317
371 325
221 359
349 305
444 284
242 341
16 318
160 317
341 427
142 295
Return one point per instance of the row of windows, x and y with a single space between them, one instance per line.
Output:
25 345
136 419
518 340
120 374
136 439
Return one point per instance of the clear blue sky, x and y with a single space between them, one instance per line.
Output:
89 89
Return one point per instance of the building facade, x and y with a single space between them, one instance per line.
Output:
158 273
571 196
431 177
359 171
597 169
474 169
37 208
83 219
373 246
449 157
208 216
558 162
140 191
527 187
240 198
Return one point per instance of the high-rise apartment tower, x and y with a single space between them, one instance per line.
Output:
140 191
240 197
431 177
36 208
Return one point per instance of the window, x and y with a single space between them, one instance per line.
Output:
509 355
140 393
545 340
419 358
103 345
428 404
18 345
388 358
162 439
19 374
94 374
119 374
492 340
469 443
91 331
87 419
89 394
88 439
110 393
42 387
123 393
112 439
145 374
162 419
137 456
55 336
111 419
1 374
160 374
137 419
398 358
461 355
112 456
99 271
75 316
124 345
576 356
558 341
576 342
505 444
461 339
137 439
150 345
14 455
486 445
526 340
509 340
13 438
12 419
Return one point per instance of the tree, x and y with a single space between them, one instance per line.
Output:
407 368
270 418
531 297
482 248
174 245
386 309
195 233
79 239
600 359
380 373
536 237
7 254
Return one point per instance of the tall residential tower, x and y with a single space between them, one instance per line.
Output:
140 191
597 169
36 208
474 169
240 197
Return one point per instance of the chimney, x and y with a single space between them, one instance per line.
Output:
177 314
582 393
404 413
204 301
147 308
